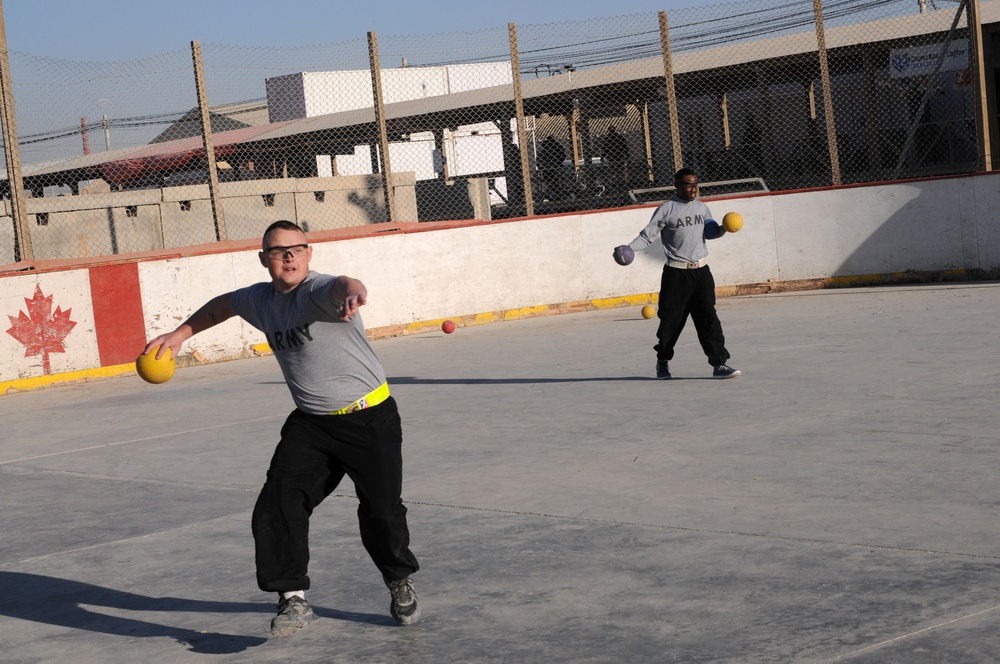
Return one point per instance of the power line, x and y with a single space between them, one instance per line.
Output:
151 120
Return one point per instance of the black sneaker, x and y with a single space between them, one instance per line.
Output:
725 371
404 608
294 613
662 370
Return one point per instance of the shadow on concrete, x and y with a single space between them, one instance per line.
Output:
413 380
895 249
63 602
438 200
376 619
371 201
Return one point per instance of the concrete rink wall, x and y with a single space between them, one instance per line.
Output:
836 503
72 322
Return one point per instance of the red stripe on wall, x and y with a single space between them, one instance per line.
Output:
118 321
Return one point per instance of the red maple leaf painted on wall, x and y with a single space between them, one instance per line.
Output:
41 330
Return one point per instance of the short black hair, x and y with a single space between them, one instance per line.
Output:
684 172
284 225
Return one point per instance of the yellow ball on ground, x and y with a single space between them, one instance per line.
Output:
732 222
648 311
154 370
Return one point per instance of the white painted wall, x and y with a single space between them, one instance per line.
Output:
922 226
427 274
69 291
308 94
474 76
173 289
872 230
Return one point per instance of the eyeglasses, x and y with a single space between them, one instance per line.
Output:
278 253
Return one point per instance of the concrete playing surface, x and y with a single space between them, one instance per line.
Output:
836 503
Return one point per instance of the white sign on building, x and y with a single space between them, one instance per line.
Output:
921 60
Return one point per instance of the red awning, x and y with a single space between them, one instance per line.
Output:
176 155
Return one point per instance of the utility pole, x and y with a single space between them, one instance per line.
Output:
86 140
107 133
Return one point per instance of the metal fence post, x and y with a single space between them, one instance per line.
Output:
522 138
379 101
824 73
668 77
218 216
12 153
723 99
648 141
925 97
979 80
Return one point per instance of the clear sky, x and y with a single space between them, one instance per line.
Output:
112 30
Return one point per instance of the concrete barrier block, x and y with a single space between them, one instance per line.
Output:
191 192
248 216
187 222
64 235
243 188
137 228
324 210
405 200
7 237
117 199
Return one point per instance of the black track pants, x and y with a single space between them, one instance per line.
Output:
683 293
314 454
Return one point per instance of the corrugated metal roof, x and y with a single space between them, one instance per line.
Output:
126 159
652 68
476 105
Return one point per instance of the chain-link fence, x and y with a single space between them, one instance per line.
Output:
82 128
214 143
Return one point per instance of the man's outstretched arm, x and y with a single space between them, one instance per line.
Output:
349 295
210 314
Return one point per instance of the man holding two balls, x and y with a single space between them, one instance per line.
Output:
687 287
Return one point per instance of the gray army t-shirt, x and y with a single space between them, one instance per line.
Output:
327 363
680 226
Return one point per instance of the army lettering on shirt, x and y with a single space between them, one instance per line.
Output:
296 336
680 227
696 220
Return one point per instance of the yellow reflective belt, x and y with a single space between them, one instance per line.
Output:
373 398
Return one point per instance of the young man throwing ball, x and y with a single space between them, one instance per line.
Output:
345 423
687 286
